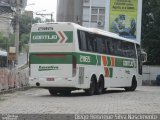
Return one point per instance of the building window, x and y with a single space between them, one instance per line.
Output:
97 14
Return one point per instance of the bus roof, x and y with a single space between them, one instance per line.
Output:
92 30
3 53
106 33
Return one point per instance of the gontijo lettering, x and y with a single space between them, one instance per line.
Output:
43 37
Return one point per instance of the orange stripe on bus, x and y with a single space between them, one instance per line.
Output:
106 70
104 59
113 61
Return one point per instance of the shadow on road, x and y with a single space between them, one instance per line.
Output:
83 94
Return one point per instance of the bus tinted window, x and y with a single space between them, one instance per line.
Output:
128 50
105 45
82 40
90 45
100 45
87 41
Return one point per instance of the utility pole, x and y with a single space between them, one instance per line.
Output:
90 12
17 29
47 14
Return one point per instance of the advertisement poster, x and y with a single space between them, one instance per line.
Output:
123 18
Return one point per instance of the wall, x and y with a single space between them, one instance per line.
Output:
13 79
69 11
150 73
87 12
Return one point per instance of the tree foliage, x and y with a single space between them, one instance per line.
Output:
2 42
151 30
25 23
6 42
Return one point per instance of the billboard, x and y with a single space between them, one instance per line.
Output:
123 18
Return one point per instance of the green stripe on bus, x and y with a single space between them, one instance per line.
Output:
69 34
99 59
82 58
50 59
86 59
110 72
108 61
127 63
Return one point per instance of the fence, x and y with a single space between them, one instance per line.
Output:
13 79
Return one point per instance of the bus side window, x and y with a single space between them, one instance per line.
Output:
101 47
112 47
94 44
115 47
104 49
119 48
82 40
132 51
89 43
124 49
108 51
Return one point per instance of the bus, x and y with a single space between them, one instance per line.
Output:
3 59
65 56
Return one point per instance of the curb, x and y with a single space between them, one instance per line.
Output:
14 90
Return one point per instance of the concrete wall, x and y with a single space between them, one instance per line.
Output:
150 73
69 11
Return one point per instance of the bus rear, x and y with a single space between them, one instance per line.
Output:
52 63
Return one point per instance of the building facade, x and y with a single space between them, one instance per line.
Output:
119 16
88 13
6 27
95 13
70 11
7 7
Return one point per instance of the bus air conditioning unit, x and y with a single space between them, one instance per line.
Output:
100 23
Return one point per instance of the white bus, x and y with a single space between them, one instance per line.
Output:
66 57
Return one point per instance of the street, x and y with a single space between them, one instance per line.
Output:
145 100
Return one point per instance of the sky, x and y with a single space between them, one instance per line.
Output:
38 6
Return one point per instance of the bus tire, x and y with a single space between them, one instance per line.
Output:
52 92
100 86
92 88
133 86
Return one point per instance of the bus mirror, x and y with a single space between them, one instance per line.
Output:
143 56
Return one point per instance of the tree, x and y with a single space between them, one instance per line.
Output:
4 41
37 20
151 30
25 24
24 39
25 28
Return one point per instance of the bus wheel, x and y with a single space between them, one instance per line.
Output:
100 86
92 88
133 86
52 92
